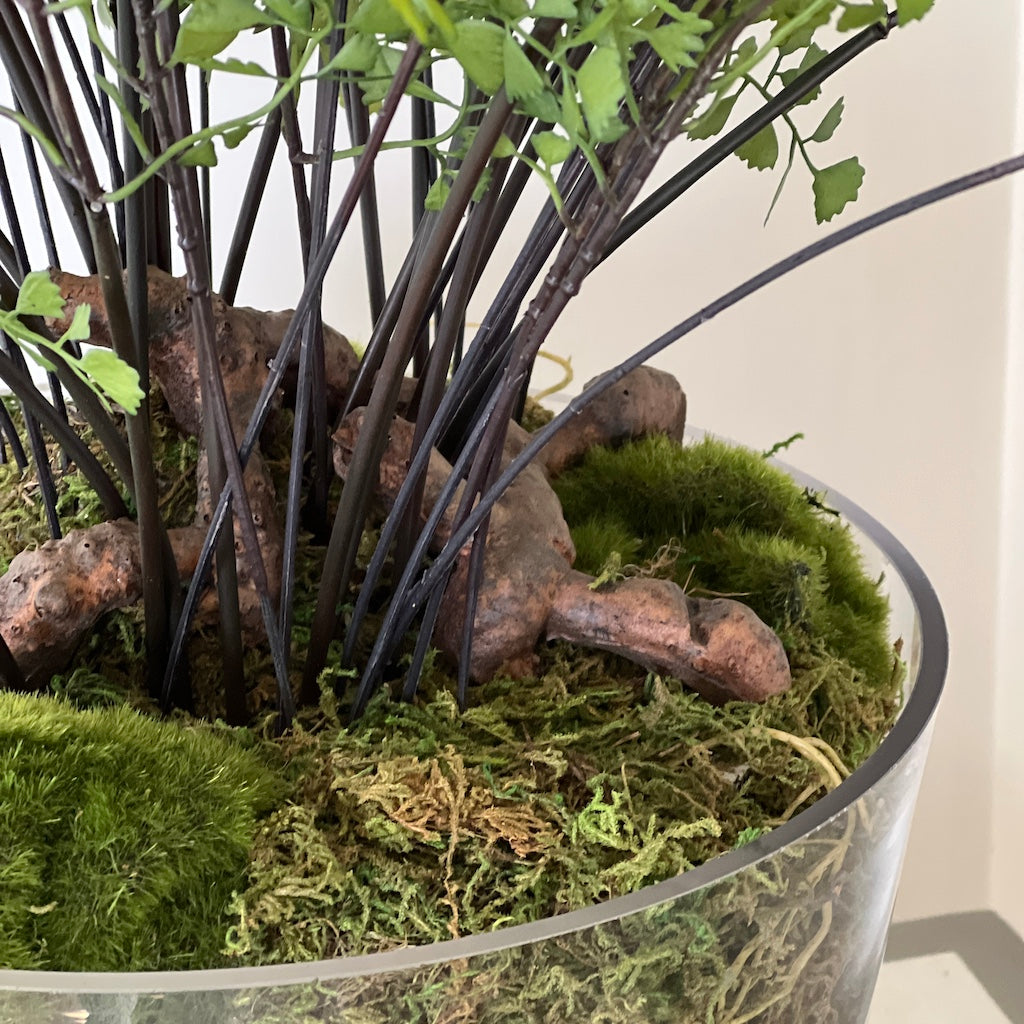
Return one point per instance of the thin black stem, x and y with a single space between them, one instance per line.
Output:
314 280
422 648
252 200
134 243
160 226
26 76
109 136
19 381
22 261
8 257
356 495
310 401
474 580
42 210
85 86
359 129
424 166
293 140
10 431
204 171
445 559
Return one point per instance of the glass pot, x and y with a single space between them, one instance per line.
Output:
798 917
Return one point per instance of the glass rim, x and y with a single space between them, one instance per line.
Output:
908 728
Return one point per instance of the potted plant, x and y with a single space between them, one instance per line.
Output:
297 600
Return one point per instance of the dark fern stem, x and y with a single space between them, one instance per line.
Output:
464 397
47 488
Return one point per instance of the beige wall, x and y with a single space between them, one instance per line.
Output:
1008 750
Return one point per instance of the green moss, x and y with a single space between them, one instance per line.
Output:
743 528
418 823
121 837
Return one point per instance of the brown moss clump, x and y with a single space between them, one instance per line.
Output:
549 794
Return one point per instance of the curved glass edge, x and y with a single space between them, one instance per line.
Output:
905 744
796 936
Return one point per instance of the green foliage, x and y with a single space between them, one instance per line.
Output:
861 15
833 187
212 25
762 151
109 377
836 186
122 837
584 90
913 10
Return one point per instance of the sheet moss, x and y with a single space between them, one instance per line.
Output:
121 837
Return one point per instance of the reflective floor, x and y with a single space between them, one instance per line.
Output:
959 969
938 989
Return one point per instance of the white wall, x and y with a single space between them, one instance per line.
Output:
1008 761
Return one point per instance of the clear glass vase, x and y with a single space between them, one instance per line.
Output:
790 928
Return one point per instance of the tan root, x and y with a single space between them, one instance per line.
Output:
49 598
531 592
247 342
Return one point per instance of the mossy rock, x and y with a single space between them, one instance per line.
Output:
122 837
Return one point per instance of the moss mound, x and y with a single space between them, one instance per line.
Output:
725 521
121 837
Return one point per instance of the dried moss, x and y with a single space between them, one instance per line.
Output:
593 779
549 794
